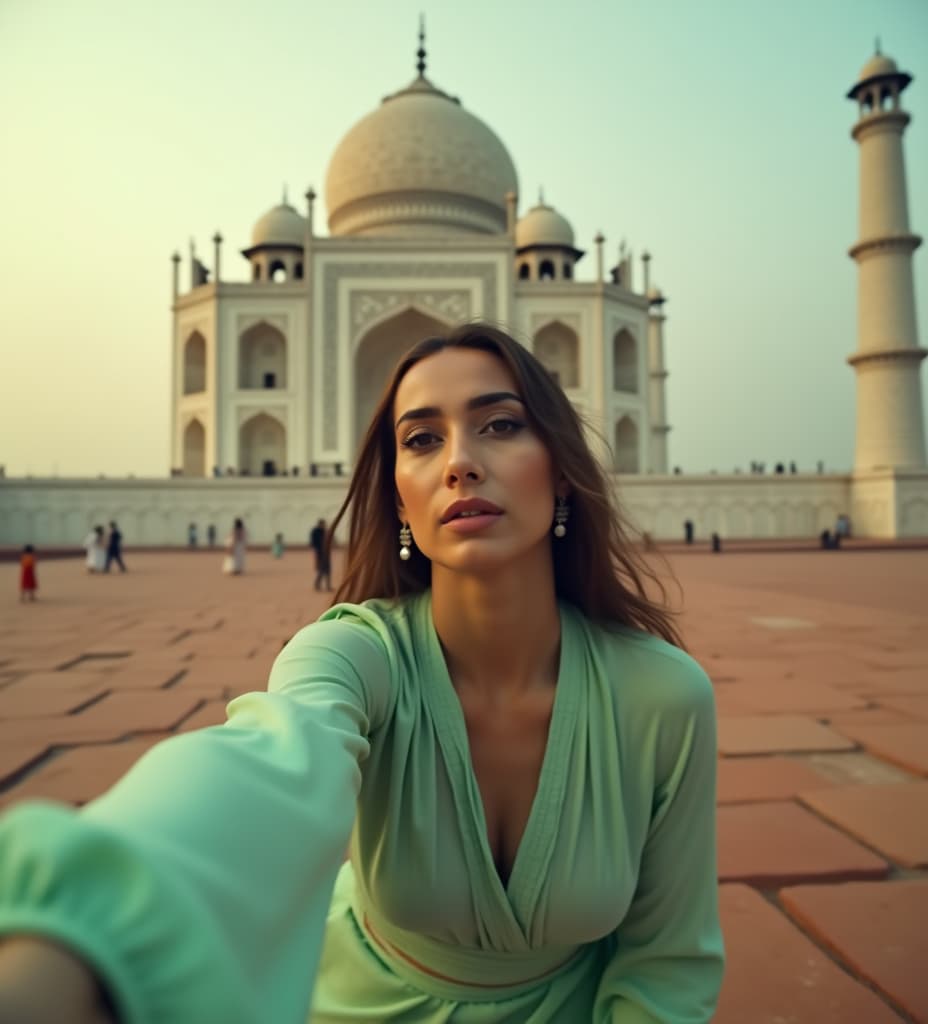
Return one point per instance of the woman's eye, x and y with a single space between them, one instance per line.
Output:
421 439
503 426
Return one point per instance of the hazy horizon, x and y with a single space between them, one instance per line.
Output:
716 136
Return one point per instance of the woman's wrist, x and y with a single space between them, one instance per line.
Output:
43 983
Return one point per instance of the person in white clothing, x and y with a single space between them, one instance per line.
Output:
96 550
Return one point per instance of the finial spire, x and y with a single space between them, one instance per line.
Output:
420 53
284 200
541 195
879 52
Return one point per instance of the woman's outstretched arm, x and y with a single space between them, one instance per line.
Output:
197 888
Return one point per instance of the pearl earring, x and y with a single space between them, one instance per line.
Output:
561 513
405 541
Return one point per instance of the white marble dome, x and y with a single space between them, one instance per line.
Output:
420 164
543 226
281 225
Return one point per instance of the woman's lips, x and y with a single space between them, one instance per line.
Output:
471 524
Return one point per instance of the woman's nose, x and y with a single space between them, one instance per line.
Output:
462 463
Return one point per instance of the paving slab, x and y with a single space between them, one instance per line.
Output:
19 701
892 819
754 779
887 682
904 744
775 975
876 714
773 734
115 716
906 658
76 776
16 755
75 682
913 707
727 669
230 676
794 695
857 767
779 843
878 930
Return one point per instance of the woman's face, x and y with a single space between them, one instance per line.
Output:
474 481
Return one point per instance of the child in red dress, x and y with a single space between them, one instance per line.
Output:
27 581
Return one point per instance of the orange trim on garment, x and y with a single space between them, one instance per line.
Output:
388 947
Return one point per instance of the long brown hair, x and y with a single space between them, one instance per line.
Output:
598 535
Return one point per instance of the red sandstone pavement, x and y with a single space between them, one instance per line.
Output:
820 665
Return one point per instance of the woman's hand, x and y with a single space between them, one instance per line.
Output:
43 983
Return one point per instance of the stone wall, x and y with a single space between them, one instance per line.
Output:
59 512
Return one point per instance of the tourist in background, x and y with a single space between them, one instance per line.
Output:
318 541
114 549
28 584
236 546
96 550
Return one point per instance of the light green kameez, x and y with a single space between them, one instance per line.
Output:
200 886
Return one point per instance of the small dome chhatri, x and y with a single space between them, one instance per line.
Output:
281 225
542 225
878 65
880 71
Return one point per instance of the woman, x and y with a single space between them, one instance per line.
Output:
236 545
96 550
530 753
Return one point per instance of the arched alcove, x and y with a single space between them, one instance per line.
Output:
262 446
624 362
558 349
378 353
626 446
262 358
194 449
194 364
546 270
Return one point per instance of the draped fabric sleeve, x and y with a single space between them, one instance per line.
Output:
197 888
668 955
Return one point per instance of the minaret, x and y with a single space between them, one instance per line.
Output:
657 379
890 426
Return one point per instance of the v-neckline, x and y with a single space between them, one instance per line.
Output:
533 853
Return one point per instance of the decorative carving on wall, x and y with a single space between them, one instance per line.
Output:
484 272
245 321
244 413
571 320
450 305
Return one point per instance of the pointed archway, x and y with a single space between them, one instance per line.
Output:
558 349
378 353
624 362
262 446
194 449
262 358
194 364
626 446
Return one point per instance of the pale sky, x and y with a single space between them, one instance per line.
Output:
714 133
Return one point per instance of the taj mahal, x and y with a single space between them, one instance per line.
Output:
282 373
274 378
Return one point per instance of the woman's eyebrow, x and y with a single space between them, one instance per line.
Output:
430 411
